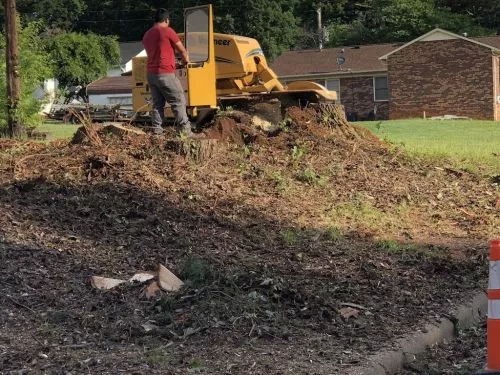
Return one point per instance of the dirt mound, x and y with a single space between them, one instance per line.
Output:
301 251
226 129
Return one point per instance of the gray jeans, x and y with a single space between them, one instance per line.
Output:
166 88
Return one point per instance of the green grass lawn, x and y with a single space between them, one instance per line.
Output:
473 145
57 130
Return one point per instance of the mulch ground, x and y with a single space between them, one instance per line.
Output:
464 355
302 253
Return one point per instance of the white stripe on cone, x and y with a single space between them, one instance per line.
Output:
494 280
494 309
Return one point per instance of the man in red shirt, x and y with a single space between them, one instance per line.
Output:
161 42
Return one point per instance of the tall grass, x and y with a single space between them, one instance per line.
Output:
471 145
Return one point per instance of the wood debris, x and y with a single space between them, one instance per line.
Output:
167 280
105 283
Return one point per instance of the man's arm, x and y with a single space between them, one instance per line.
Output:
180 47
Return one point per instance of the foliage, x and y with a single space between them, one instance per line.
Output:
272 22
82 58
400 20
126 18
277 24
56 13
487 12
35 67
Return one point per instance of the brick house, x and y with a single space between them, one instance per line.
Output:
439 73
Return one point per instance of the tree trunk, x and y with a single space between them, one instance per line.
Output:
15 128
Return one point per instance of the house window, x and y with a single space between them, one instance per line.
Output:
380 89
331 84
334 85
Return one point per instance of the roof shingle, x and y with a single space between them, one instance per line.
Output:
493 41
111 85
358 59
364 58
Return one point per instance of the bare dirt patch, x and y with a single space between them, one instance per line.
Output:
275 237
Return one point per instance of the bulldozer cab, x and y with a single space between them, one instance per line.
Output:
199 42
198 78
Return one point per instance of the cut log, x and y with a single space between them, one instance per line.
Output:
120 130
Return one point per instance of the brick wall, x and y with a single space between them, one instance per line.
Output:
356 95
453 77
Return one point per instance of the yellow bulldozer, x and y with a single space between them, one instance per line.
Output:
224 70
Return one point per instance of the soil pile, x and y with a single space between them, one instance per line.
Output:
302 250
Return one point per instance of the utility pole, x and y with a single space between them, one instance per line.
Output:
12 56
320 26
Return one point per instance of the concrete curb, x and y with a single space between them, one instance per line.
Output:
389 362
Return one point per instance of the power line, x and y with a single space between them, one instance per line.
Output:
116 20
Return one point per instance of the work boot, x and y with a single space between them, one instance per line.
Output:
155 130
185 131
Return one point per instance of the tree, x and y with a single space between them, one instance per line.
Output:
55 13
128 19
333 12
401 20
487 12
35 68
271 22
82 58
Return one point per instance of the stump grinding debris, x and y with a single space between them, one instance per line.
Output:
274 236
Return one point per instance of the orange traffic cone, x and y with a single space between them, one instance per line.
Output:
493 326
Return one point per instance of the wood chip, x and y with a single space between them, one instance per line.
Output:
349 312
142 277
167 280
353 305
105 283
152 290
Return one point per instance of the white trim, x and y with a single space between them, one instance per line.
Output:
374 90
333 74
444 34
128 65
438 36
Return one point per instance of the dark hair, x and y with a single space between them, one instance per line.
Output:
162 15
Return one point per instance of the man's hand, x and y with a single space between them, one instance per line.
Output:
184 55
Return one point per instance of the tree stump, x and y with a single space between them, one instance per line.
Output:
333 116
197 150
121 131
87 134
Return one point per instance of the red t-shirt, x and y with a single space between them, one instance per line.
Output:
159 43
